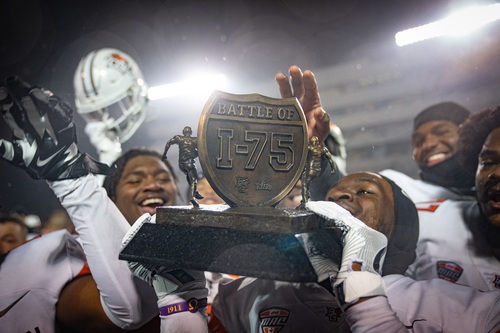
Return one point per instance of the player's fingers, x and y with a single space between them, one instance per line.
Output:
6 150
4 95
62 109
36 109
297 81
17 87
284 85
42 103
310 86
12 113
322 124
19 109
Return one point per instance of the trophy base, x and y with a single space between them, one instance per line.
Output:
257 242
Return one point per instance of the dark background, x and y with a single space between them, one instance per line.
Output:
370 87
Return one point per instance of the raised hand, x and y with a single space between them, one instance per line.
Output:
303 86
44 138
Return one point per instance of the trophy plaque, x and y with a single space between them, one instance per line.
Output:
252 150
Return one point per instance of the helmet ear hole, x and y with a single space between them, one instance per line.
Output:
109 87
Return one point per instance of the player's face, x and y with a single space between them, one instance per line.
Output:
368 197
145 184
11 236
434 142
488 178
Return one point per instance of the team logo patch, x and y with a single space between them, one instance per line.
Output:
333 313
273 320
449 271
496 281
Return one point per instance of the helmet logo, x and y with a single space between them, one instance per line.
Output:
119 63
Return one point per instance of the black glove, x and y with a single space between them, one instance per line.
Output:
44 136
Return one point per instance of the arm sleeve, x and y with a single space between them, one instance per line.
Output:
374 315
128 301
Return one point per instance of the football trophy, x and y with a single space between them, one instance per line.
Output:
252 149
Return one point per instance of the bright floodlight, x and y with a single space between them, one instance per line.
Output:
198 85
460 23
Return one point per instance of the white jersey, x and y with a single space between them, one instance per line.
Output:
264 306
44 265
419 190
447 248
127 301
31 279
427 306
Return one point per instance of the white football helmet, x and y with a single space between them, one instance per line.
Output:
109 87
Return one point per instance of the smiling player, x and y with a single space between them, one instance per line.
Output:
436 150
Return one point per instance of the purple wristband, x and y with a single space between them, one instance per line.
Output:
192 305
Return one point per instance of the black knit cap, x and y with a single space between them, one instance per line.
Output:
403 243
449 111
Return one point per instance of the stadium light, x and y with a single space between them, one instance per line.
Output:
457 24
197 85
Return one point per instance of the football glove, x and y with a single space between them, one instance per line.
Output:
178 290
323 254
361 244
44 137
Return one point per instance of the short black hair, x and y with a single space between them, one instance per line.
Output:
474 132
117 167
449 111
16 220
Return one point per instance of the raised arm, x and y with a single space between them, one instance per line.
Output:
303 86
44 144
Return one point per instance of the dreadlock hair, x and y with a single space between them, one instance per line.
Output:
474 132
117 167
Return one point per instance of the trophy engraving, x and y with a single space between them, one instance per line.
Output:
252 148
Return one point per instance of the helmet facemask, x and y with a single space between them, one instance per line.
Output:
126 115
110 88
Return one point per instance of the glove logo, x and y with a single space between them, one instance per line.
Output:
43 162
